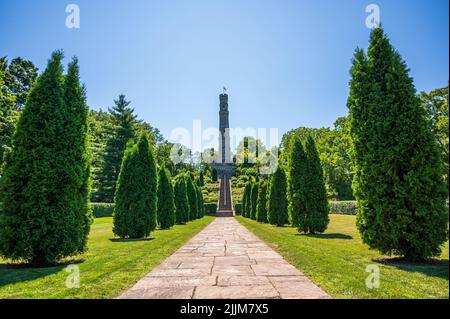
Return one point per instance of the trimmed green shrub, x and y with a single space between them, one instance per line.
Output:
317 208
102 209
210 208
136 195
202 208
198 196
238 208
261 209
214 175
166 200
297 182
343 207
254 200
45 214
181 200
201 179
398 182
246 200
192 197
277 203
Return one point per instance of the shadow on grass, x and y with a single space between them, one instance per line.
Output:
12 273
128 240
327 236
433 267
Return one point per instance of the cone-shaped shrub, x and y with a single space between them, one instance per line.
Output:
136 192
199 196
297 185
317 208
192 197
397 182
44 190
166 199
261 209
277 203
201 179
214 175
245 197
78 128
181 200
254 200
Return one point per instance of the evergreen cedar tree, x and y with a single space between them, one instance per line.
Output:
261 209
201 179
214 175
253 200
316 192
192 197
124 130
296 185
200 208
248 205
397 166
181 200
277 203
44 191
136 194
307 192
245 199
8 116
166 200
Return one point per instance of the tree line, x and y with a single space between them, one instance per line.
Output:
298 198
390 153
45 186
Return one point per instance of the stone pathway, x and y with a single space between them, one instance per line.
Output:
224 261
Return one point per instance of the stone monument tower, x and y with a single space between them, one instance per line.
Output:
224 162
224 126
224 165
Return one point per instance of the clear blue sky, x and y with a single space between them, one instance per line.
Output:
285 63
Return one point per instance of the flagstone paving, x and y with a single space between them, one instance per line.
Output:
225 261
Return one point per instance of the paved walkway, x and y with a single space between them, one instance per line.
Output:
224 261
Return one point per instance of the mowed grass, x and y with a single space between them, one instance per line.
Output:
109 267
337 261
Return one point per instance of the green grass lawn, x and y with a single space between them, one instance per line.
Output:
109 267
337 260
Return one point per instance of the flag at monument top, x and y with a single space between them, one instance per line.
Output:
224 90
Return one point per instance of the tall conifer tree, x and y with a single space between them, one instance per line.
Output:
297 185
181 200
166 200
317 208
277 203
124 129
254 199
44 211
192 197
397 182
261 208
136 194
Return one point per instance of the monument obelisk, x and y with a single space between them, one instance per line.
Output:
225 166
224 126
224 163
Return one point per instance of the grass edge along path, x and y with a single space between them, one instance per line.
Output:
337 260
109 267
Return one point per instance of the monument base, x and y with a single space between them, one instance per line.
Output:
225 206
